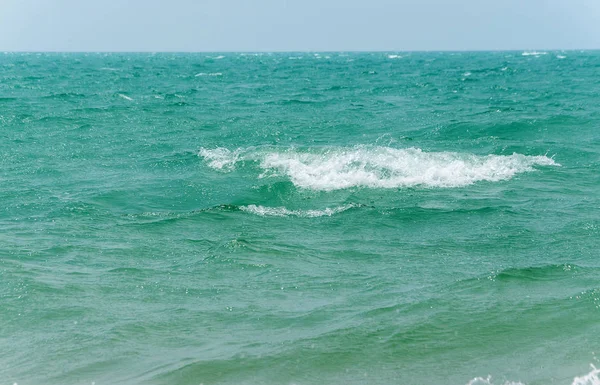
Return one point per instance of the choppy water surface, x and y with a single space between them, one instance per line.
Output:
300 218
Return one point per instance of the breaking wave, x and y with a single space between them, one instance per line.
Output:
592 378
335 168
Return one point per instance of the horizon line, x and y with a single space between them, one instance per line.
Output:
309 51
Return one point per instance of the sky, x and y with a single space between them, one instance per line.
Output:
297 25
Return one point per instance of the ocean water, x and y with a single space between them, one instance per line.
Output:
300 218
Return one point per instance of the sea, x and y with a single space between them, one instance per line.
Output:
300 218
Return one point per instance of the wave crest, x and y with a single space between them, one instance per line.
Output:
488 381
220 158
533 53
337 168
592 378
284 212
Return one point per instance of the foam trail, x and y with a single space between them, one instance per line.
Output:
328 169
534 53
283 212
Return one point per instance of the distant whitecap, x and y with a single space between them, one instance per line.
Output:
533 53
124 97
209 74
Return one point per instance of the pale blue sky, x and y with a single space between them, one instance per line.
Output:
297 25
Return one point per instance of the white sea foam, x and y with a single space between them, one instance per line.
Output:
592 378
124 97
394 57
284 212
220 158
560 56
337 168
533 53
488 381
209 74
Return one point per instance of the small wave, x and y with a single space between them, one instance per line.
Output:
536 273
328 169
533 53
124 97
283 212
209 74
592 378
560 57
220 158
65 95
488 381
394 57
263 211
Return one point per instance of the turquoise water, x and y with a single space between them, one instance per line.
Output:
300 218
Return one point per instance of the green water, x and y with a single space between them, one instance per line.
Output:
300 218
